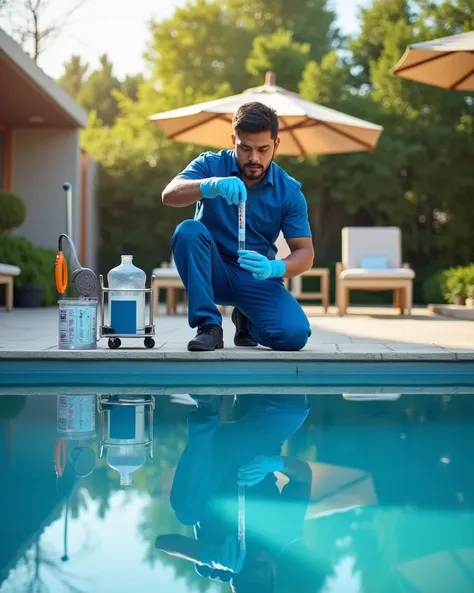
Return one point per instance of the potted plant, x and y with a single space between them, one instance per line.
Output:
455 285
12 211
457 294
27 291
470 296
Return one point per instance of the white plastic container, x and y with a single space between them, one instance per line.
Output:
127 309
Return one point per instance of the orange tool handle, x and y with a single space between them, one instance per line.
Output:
60 455
61 273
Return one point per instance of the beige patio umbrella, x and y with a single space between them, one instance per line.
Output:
305 128
447 62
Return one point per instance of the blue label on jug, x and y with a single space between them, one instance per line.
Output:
122 422
123 316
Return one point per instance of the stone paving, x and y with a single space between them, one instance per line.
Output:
363 334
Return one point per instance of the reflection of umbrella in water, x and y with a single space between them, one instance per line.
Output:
449 571
447 62
336 489
305 128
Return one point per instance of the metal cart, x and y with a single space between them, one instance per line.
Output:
105 331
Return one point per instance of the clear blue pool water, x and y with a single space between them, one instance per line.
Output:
380 498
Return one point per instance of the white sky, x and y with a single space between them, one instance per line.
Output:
119 28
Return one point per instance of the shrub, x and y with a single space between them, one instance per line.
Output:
457 281
36 264
434 289
21 252
48 282
12 210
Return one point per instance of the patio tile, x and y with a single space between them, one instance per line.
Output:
419 354
362 347
467 355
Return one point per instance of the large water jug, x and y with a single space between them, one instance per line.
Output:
125 441
127 309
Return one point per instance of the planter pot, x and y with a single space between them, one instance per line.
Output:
459 300
469 302
27 296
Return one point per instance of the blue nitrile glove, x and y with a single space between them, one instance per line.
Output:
253 473
228 556
260 266
232 189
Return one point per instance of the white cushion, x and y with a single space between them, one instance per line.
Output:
360 242
165 273
9 270
360 273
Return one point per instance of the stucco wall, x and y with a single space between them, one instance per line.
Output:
43 159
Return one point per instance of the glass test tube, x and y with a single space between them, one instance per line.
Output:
241 226
241 514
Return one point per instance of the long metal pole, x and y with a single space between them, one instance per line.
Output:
68 189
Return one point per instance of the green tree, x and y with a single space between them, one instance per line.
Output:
279 53
74 76
97 92
198 49
376 19
131 84
448 17
429 126
312 21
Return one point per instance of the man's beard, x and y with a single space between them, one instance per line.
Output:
259 172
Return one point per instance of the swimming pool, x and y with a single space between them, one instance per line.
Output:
204 371
100 491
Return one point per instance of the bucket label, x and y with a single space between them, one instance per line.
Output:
77 325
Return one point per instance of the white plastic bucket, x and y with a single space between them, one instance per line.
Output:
77 324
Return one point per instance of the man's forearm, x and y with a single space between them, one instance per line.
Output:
182 192
298 262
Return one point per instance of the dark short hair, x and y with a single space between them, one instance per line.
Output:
255 117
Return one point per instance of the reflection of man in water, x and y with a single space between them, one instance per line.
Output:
217 458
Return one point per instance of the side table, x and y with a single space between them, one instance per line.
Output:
297 286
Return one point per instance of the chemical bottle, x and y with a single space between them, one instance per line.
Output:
127 309
125 438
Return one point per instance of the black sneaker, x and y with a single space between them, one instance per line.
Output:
208 337
242 337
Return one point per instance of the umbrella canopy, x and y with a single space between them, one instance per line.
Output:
447 62
305 128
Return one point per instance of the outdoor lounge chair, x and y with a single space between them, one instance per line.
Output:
371 260
7 272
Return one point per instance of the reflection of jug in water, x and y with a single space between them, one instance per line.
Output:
127 309
125 434
126 459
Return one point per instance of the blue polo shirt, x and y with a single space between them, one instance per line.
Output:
275 204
